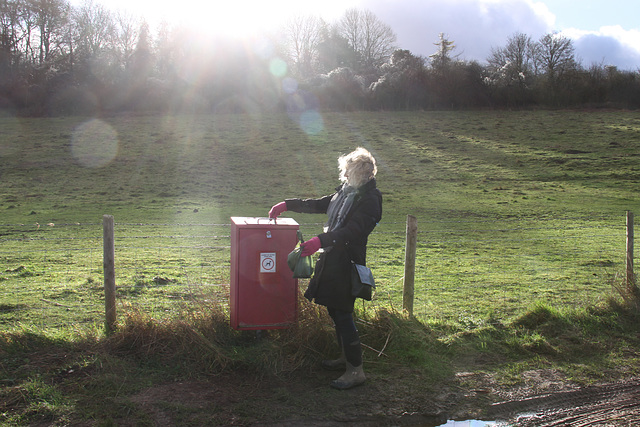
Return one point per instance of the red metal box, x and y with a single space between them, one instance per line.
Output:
264 294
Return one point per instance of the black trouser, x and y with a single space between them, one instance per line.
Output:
348 337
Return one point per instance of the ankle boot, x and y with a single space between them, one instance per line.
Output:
353 376
335 364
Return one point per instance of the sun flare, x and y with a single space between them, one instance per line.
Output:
229 18
232 18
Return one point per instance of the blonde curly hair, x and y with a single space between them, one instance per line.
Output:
357 168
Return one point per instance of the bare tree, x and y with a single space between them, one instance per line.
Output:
373 40
95 29
10 35
515 62
303 36
557 81
33 28
51 18
126 34
555 55
27 28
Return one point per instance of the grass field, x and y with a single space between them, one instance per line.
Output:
521 232
527 205
435 165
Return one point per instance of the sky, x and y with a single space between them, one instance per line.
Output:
604 32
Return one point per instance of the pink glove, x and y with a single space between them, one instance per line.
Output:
277 210
310 247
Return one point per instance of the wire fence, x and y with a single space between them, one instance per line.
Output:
468 271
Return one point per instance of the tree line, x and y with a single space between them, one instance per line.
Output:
56 58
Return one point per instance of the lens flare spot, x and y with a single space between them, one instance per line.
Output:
278 67
289 85
94 144
311 122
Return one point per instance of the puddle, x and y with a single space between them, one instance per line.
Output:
438 421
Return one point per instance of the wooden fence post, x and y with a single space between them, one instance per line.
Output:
629 264
108 262
410 264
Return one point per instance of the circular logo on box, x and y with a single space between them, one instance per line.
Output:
267 262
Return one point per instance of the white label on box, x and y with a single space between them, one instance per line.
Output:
267 262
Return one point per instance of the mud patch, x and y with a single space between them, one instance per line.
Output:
398 398
616 404
300 399
213 402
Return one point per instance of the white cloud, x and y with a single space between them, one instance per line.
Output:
477 26
543 12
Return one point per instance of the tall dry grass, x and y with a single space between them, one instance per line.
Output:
630 293
203 340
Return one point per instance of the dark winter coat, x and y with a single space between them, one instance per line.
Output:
331 283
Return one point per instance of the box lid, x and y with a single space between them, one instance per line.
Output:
263 221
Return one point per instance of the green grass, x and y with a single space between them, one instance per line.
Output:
521 239
513 207
568 162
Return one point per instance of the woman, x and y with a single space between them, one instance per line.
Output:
353 210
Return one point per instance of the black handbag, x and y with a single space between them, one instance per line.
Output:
362 283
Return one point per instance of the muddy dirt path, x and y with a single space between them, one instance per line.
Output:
545 399
616 404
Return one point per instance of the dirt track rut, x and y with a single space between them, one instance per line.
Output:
615 404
